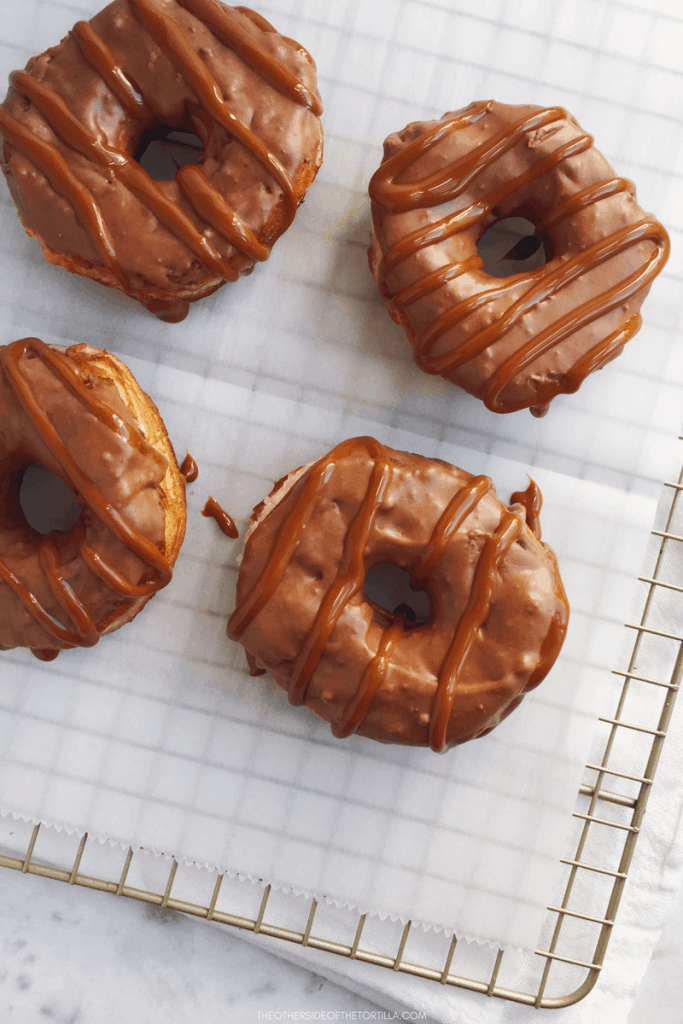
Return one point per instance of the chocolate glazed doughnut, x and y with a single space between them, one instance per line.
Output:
498 609
81 415
72 123
516 343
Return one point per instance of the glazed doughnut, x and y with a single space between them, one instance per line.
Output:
498 609
519 342
73 120
81 414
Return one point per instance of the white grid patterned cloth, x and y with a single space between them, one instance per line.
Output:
157 737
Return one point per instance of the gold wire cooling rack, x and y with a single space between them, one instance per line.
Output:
597 808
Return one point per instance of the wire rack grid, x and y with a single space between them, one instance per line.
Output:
592 888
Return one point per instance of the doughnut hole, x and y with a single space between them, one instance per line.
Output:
46 501
164 148
510 246
389 590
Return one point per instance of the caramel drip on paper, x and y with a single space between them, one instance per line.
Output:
351 575
532 500
189 469
473 618
450 182
227 524
85 632
204 198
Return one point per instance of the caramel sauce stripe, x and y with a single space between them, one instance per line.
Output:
583 199
78 389
227 29
600 354
473 618
454 515
431 282
383 189
450 182
213 209
371 680
47 621
101 59
546 285
286 543
452 518
87 634
114 580
590 310
350 575
452 224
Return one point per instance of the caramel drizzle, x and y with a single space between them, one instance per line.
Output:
86 632
449 183
227 524
496 547
451 519
351 574
50 162
102 60
170 37
206 201
226 28
532 500
189 469
371 680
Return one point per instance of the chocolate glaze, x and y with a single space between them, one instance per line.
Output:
73 120
519 342
227 524
499 612
66 589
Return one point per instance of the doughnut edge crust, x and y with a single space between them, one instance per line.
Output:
81 414
498 608
72 121
516 342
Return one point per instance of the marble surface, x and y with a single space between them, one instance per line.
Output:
73 956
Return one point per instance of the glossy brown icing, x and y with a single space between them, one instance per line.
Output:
227 524
73 120
519 342
499 611
63 410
